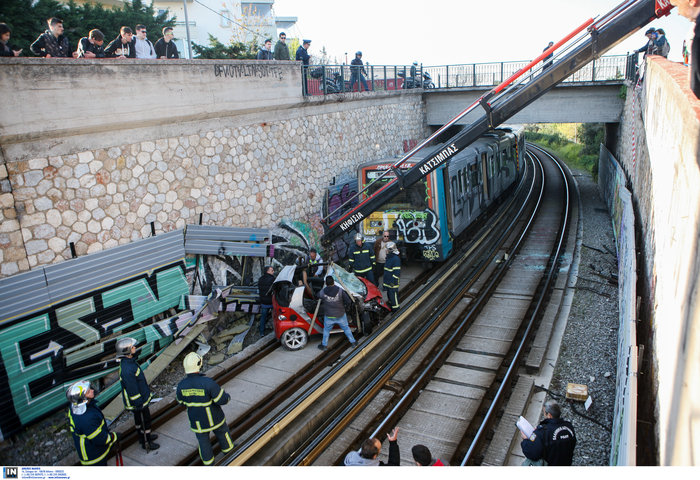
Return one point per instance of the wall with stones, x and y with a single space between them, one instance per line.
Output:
237 165
660 140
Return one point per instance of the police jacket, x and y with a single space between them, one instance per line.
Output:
202 396
554 440
135 391
166 49
264 285
392 270
303 55
335 300
90 434
362 258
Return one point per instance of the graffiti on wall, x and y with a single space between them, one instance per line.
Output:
44 352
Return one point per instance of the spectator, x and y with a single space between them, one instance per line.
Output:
358 72
546 64
690 9
265 296
6 49
142 45
281 50
87 424
662 45
650 47
423 457
315 259
203 398
123 45
553 441
52 43
414 71
303 55
362 258
380 256
135 392
367 456
91 46
335 300
165 47
392 275
265 52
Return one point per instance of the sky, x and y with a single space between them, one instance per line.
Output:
440 32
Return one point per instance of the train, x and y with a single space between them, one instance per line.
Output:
427 217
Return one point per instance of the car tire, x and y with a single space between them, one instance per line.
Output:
294 338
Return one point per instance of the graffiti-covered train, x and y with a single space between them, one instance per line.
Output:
427 216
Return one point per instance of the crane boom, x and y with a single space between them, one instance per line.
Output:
501 103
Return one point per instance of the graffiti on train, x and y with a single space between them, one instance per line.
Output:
43 352
418 227
431 253
465 194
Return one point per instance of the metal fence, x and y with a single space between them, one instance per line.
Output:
334 79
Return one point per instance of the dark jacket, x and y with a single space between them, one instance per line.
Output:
353 459
90 434
357 69
362 258
335 300
264 289
264 54
392 270
84 45
135 391
7 50
47 44
166 49
695 62
554 440
116 44
281 51
662 46
303 55
649 48
203 398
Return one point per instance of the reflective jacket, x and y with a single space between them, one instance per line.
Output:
202 396
553 440
362 258
392 271
135 391
90 434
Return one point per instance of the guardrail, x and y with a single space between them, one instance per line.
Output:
335 79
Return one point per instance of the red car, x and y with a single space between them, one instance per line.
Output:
294 304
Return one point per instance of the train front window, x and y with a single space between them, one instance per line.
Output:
414 197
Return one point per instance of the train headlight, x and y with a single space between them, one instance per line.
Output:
376 223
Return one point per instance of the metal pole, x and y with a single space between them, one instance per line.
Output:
187 27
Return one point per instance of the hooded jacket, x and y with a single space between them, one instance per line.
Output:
117 43
166 49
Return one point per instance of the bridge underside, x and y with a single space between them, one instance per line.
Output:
564 104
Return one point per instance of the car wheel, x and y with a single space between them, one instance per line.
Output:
294 338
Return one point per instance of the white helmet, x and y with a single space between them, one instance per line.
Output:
391 247
124 346
77 396
359 237
192 363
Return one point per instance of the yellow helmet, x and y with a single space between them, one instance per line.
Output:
192 363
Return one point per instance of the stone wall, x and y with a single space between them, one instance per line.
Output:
660 139
240 167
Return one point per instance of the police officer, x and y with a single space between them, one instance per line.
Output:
135 392
203 398
362 259
392 274
303 56
552 442
88 426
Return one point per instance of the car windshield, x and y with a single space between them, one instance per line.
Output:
349 281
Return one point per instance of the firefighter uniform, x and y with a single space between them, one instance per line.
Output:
362 261
90 434
136 396
392 274
203 398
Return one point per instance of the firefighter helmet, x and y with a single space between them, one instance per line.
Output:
192 363
77 396
359 237
124 346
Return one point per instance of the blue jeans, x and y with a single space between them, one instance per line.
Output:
342 322
354 79
265 310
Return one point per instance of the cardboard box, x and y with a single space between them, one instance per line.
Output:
575 391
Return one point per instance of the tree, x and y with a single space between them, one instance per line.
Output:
27 19
591 135
217 50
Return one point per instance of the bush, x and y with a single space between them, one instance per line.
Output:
581 156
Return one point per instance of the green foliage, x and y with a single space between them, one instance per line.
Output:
28 21
217 50
582 155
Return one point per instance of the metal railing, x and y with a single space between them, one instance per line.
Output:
334 79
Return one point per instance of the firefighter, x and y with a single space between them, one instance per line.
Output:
88 426
362 259
135 392
203 398
392 274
